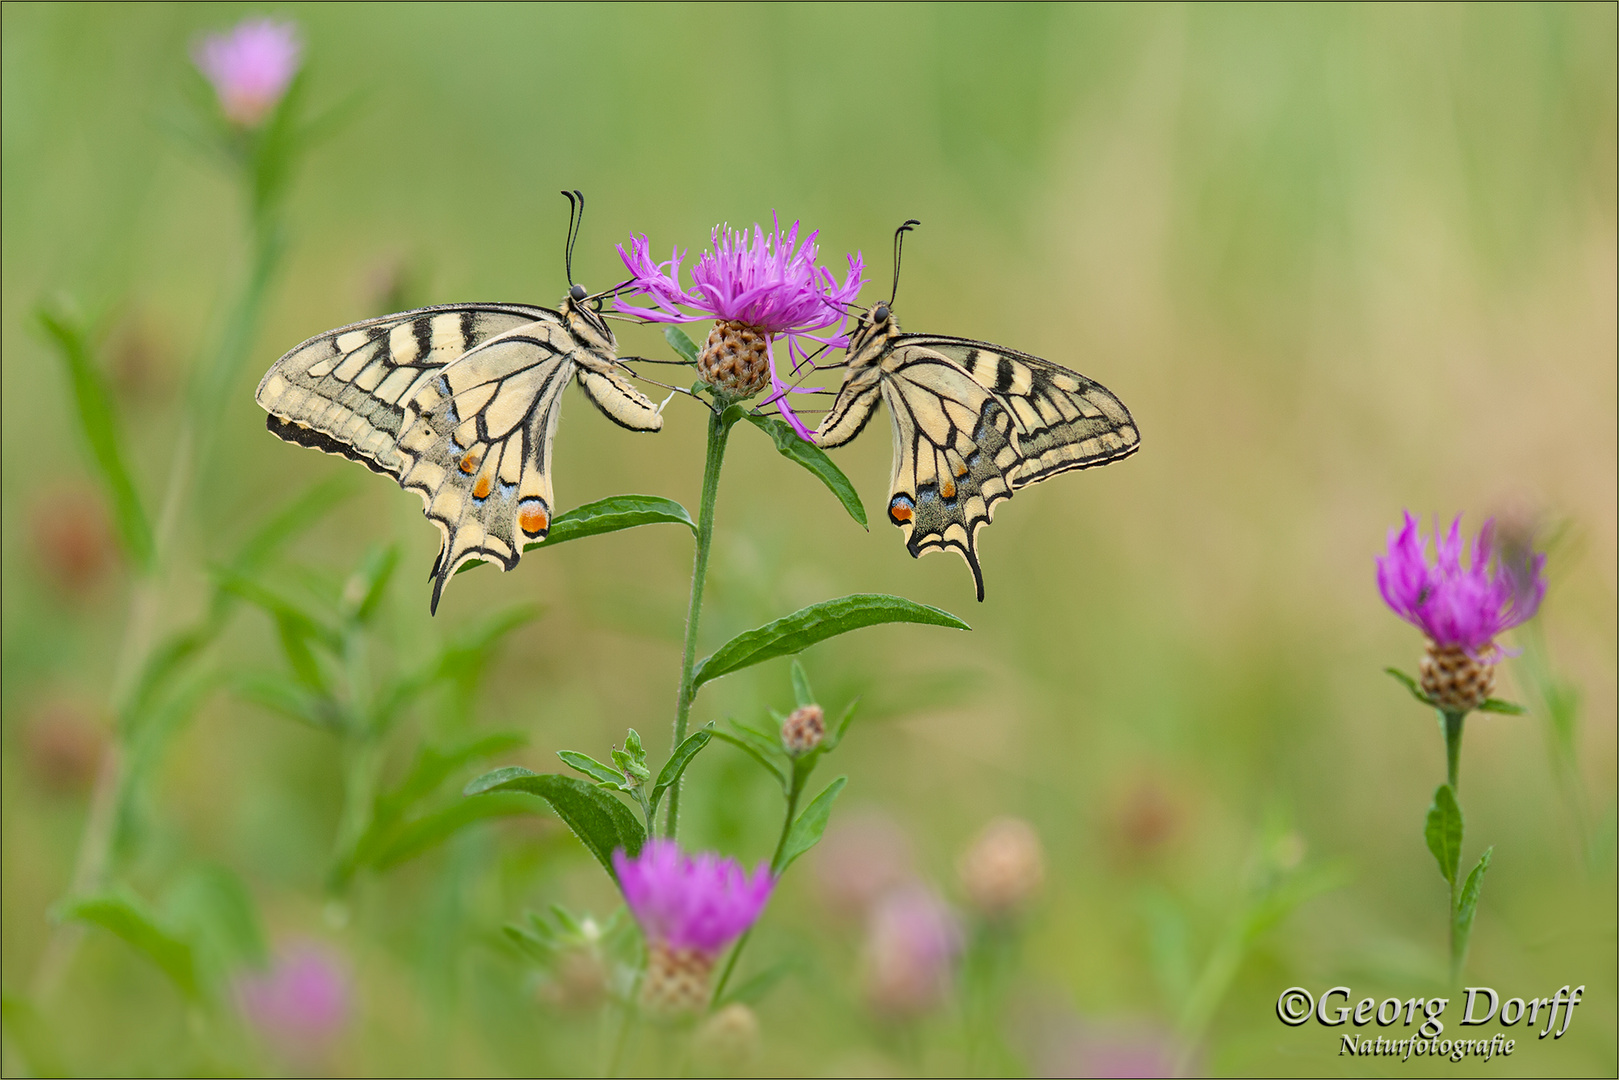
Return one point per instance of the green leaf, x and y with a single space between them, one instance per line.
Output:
1496 705
1444 831
212 908
816 623
1467 901
27 1031
96 420
813 458
631 760
802 694
835 732
280 694
754 990
609 515
806 831
753 752
426 832
600 821
364 588
1411 684
680 343
592 768
669 775
123 913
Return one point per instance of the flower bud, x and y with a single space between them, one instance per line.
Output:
735 360
1455 681
803 730
579 982
1003 867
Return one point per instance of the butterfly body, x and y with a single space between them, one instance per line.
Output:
973 423
458 403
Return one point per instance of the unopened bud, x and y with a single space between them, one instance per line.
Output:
1003 867
803 730
735 360
729 1038
1456 682
579 982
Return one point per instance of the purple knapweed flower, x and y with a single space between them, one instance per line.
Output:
1457 607
689 908
300 1002
250 67
757 291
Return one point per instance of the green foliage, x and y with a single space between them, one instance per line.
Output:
1496 705
816 623
604 516
124 914
809 826
802 694
675 767
1467 905
94 409
631 760
811 457
601 822
681 343
1444 831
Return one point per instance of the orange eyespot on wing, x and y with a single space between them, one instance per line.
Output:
532 517
901 510
469 464
480 490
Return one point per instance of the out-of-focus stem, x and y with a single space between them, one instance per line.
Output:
1453 746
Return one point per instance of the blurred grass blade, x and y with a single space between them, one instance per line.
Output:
816 623
282 695
599 820
1444 831
123 914
213 908
364 588
286 523
95 412
813 458
681 343
811 824
682 756
427 832
31 1037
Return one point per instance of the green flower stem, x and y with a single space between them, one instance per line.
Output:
795 789
1453 744
719 428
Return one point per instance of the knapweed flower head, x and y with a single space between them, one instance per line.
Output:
689 908
250 67
300 1002
911 948
1459 607
758 288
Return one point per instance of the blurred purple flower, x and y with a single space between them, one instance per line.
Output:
1070 1046
251 67
865 854
771 285
701 903
911 948
1457 607
300 1002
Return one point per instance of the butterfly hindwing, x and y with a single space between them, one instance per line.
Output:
460 405
973 423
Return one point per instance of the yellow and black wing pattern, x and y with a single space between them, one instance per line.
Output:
973 423
459 404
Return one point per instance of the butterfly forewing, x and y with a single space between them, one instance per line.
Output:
460 405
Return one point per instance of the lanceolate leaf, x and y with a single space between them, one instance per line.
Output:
813 458
816 623
811 824
1444 831
96 419
602 774
125 915
609 515
1467 902
683 754
680 343
1411 684
1497 705
416 837
601 822
802 694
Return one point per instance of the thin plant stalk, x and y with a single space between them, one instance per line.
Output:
719 429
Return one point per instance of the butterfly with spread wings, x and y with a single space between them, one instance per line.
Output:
459 403
973 423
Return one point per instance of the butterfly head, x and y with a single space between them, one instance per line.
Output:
583 315
875 325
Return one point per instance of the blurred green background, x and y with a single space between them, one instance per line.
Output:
1339 261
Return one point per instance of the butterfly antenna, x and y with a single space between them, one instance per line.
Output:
899 246
576 217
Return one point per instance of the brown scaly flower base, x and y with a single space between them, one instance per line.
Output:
676 980
735 360
1455 681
